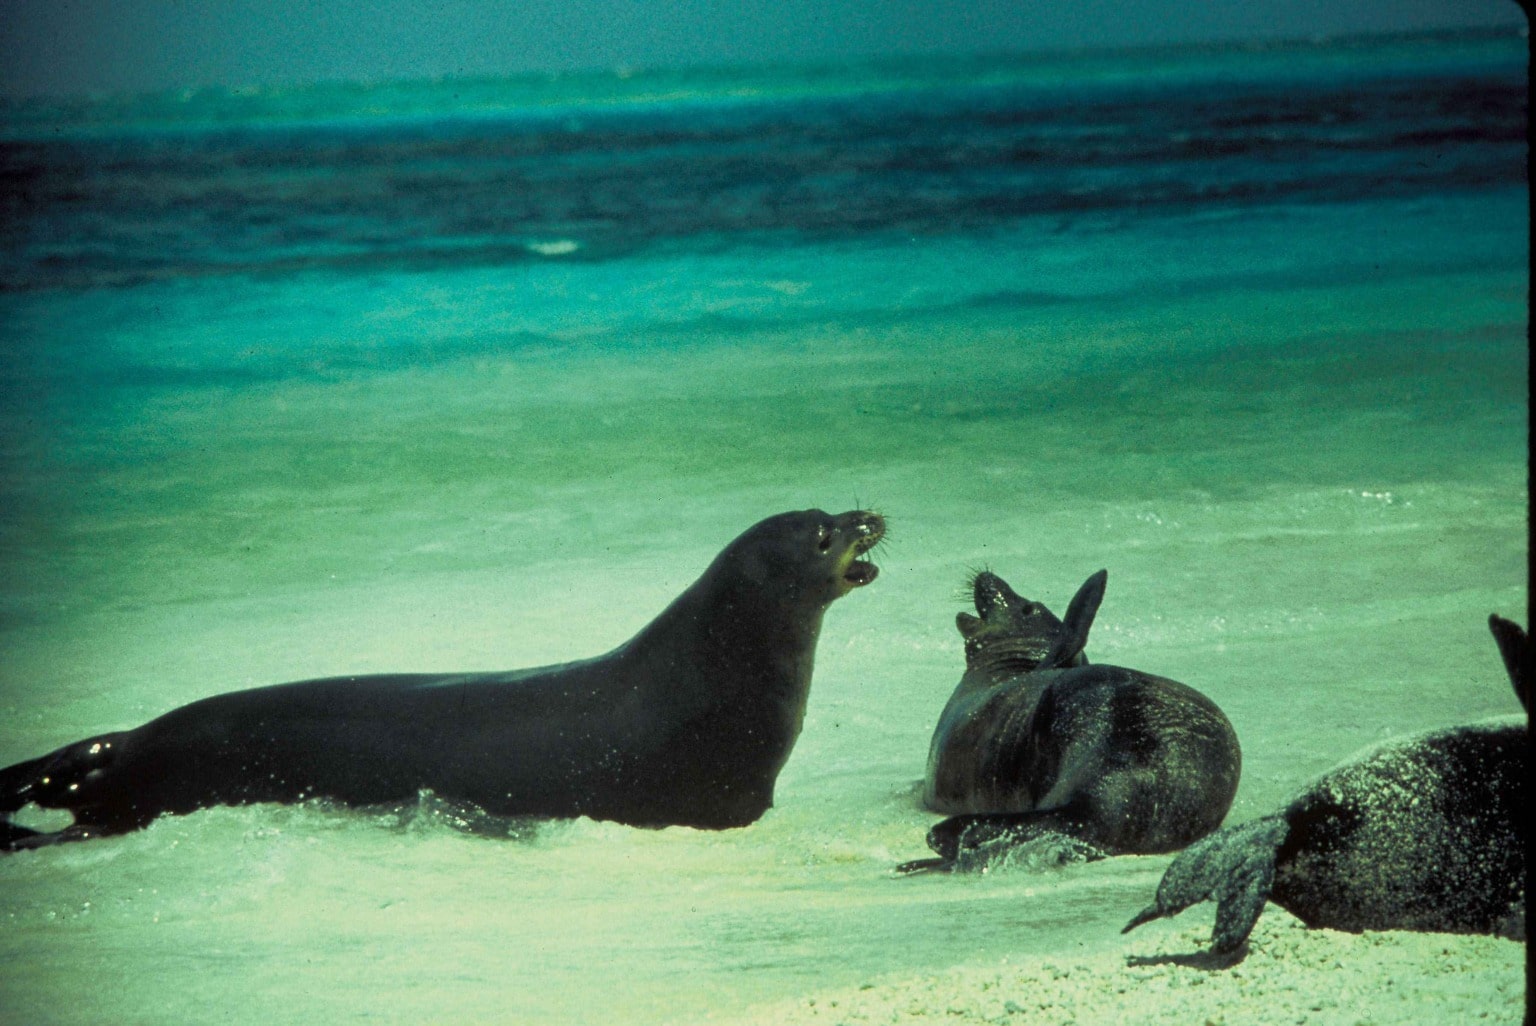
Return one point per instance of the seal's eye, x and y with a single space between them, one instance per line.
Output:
823 538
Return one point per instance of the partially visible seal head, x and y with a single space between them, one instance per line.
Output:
1427 833
688 722
1036 740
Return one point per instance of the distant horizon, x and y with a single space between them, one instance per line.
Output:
98 48
1258 44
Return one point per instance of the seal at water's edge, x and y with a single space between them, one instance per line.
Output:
687 723
1037 740
1425 833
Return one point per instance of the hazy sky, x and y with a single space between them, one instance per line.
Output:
72 46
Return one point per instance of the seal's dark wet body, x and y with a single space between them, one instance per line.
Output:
1426 833
1036 740
688 723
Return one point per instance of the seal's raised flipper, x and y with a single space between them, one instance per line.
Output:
1515 647
1235 866
1075 626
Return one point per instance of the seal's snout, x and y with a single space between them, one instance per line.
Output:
865 530
989 590
868 532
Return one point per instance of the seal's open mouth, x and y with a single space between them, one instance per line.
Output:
868 531
860 573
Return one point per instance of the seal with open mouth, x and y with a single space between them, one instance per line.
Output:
687 723
1037 741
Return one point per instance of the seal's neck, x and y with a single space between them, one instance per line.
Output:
1010 657
743 646
1004 660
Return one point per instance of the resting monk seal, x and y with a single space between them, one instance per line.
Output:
687 723
1036 740
1424 833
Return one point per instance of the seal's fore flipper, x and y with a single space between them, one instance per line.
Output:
1235 866
976 840
1075 625
1514 647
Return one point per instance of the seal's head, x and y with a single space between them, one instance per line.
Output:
807 556
843 540
1009 628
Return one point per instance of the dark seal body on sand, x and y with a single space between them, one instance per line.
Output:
1036 740
687 723
1425 833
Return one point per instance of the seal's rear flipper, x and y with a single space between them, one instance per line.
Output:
60 779
938 865
1514 647
20 838
1235 866
19 783
1075 626
64 779
15 838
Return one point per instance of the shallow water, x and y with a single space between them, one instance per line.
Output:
1290 419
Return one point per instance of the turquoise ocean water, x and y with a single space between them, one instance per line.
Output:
479 374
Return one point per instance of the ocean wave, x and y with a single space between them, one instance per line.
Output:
965 156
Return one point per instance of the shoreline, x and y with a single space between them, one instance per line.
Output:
1291 974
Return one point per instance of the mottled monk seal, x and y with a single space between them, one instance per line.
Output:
1036 740
1423 833
688 722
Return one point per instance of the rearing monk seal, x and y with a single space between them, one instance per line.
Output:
1425 833
1036 740
688 722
